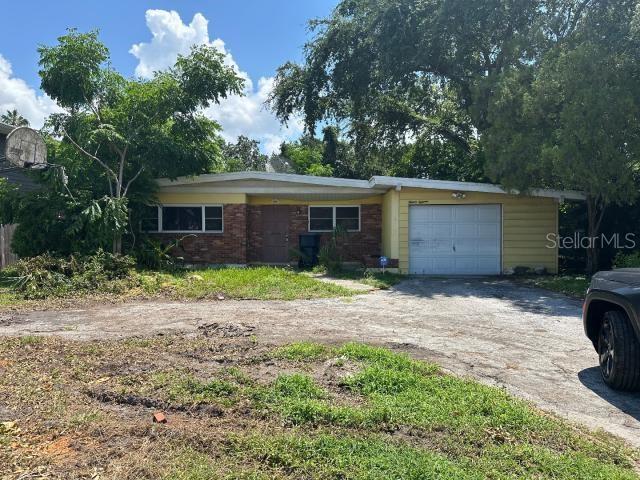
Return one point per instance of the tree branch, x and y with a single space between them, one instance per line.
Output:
126 189
84 152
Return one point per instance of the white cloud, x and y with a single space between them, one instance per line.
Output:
16 94
238 115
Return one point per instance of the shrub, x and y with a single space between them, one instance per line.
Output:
45 275
329 255
155 255
627 260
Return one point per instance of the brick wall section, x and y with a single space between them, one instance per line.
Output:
355 247
241 241
229 247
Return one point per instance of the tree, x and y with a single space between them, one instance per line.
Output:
572 120
508 77
429 157
305 156
12 117
393 70
244 155
129 128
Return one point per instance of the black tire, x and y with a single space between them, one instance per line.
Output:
619 352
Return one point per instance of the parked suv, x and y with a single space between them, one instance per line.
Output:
611 321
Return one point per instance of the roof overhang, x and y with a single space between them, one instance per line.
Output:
395 182
286 185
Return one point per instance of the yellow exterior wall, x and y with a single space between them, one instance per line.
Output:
167 198
390 226
263 200
225 198
526 223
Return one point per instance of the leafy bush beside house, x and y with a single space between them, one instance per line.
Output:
627 260
44 276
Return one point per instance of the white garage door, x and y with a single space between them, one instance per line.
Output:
454 239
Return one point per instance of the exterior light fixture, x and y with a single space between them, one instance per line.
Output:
459 195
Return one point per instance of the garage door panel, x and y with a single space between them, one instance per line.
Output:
465 214
465 230
488 213
440 214
455 239
488 246
489 230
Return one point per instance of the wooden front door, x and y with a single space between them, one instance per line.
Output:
275 243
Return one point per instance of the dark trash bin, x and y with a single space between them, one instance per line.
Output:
309 246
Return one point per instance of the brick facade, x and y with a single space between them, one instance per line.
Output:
241 241
229 247
362 247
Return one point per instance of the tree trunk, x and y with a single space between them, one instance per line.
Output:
117 244
595 212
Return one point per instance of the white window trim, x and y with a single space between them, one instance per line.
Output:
202 209
333 207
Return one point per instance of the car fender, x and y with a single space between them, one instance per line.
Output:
610 297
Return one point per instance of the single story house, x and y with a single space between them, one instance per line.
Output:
422 226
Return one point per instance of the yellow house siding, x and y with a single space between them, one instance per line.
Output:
526 223
267 200
390 219
167 198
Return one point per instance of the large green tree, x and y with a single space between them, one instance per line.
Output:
131 128
516 79
244 155
398 69
573 120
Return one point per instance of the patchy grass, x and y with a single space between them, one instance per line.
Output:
302 351
259 283
382 281
240 409
572 285
256 283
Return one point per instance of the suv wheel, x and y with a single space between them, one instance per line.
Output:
619 352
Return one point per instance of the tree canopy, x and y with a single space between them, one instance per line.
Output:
130 129
529 93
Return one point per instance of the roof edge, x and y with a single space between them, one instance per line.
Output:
392 182
378 182
278 177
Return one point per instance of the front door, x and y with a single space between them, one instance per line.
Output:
275 243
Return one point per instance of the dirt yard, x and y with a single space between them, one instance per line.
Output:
525 339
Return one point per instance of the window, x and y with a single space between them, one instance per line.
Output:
181 219
320 219
348 218
325 219
191 218
149 221
213 219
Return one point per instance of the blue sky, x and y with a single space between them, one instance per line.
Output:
257 36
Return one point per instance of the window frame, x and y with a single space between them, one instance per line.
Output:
158 216
202 207
333 208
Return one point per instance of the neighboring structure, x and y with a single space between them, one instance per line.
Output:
17 177
12 173
422 226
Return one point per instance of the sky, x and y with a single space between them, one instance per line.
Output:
257 36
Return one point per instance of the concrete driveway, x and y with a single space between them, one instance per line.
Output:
526 340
